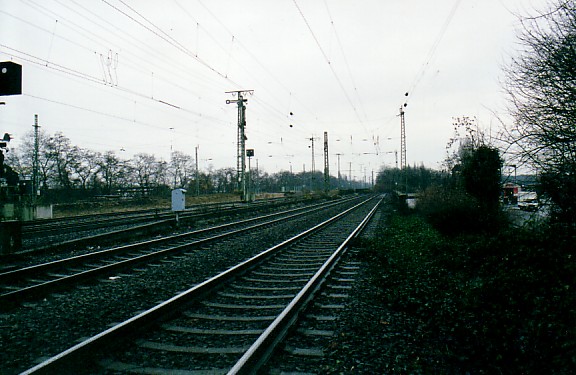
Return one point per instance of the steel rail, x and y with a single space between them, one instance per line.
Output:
16 296
153 220
40 225
33 270
74 356
266 343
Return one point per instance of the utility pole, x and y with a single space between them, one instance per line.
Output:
312 177
311 139
402 139
257 178
35 161
326 165
339 175
241 139
250 189
350 174
197 174
403 148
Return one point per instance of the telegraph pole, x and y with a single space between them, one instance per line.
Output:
403 148
250 188
326 165
241 139
257 178
350 174
35 161
312 177
311 139
197 174
402 140
339 175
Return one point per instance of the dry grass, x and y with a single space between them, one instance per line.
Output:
121 205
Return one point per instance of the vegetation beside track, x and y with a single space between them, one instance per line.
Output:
466 302
112 205
106 205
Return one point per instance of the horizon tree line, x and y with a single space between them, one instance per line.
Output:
66 171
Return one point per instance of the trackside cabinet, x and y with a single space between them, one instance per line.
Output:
178 200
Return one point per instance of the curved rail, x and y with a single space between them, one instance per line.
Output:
257 352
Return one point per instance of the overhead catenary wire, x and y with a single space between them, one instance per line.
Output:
341 47
69 71
279 116
80 45
96 80
158 31
162 35
45 63
330 65
270 117
261 66
432 52
114 116
170 65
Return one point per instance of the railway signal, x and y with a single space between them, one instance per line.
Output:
10 78
241 144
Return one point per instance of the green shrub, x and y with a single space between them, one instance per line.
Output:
454 212
489 304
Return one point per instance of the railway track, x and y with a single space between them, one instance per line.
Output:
49 234
31 282
304 349
90 221
232 322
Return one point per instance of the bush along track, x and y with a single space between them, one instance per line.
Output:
461 304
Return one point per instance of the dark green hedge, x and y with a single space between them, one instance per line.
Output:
504 303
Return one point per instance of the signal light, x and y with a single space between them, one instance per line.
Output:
10 78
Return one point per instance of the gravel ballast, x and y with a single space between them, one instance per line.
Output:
41 329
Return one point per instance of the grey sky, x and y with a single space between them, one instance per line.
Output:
151 76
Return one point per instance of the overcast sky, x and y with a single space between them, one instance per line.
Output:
151 76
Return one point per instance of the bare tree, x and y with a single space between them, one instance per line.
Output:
112 171
22 159
147 172
62 155
85 167
224 180
180 168
541 85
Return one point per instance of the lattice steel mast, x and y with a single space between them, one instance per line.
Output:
241 139
326 164
402 140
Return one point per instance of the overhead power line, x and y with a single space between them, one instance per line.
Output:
162 35
135 63
345 59
338 80
151 27
434 48
45 64
268 98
